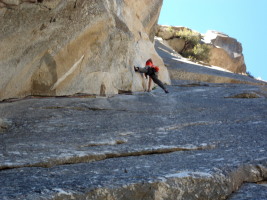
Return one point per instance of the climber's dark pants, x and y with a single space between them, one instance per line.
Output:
147 70
155 79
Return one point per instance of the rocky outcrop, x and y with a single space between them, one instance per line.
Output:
181 68
58 47
169 36
168 32
226 52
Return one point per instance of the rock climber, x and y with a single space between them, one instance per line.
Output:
151 71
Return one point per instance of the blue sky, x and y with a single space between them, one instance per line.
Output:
245 20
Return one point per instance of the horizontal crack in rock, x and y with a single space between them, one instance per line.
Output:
180 126
245 96
108 155
81 108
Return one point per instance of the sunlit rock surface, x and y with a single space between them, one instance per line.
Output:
56 47
227 52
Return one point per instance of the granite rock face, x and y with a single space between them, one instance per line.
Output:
201 141
206 139
198 144
58 47
255 191
226 52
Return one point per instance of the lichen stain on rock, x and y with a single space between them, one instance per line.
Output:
4 125
45 76
102 89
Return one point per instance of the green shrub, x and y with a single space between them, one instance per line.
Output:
199 52
190 37
193 48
